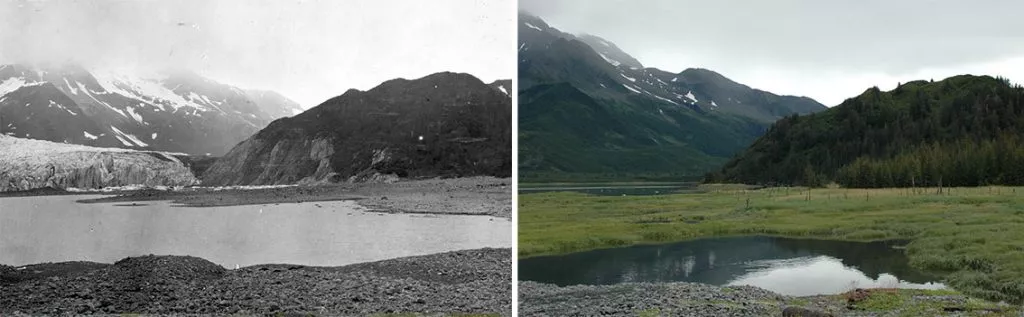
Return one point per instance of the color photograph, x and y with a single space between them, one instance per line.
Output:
770 158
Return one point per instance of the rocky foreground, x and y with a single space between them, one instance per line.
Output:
27 164
469 281
694 299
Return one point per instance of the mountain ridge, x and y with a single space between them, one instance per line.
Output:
177 111
666 122
960 131
444 124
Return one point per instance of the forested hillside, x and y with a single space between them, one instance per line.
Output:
961 131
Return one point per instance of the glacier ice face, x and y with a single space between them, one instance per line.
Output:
28 164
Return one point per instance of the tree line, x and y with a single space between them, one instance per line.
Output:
962 131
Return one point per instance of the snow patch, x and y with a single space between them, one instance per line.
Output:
89 136
154 136
674 79
627 77
121 136
665 99
123 141
631 89
609 60
502 88
147 90
533 26
713 104
15 83
689 95
135 115
74 91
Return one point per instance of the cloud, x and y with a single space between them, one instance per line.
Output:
805 43
307 50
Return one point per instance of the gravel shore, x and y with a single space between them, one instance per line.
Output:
694 299
469 281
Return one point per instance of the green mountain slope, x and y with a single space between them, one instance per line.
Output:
588 108
961 131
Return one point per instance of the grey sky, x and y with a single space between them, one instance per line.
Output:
827 50
307 50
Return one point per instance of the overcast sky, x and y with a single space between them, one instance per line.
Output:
827 50
307 50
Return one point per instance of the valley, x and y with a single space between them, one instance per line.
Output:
402 190
929 168
589 111
967 235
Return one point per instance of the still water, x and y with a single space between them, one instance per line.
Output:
56 228
795 267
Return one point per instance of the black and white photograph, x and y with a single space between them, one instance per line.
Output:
291 157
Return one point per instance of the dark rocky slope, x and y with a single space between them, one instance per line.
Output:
445 124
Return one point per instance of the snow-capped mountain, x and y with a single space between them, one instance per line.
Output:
588 107
175 111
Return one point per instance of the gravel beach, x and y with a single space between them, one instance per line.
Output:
694 299
469 281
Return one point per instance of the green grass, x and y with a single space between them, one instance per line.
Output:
419 314
972 236
924 303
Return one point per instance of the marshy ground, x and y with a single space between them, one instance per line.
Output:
973 237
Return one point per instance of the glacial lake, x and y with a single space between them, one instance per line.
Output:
56 228
612 189
795 267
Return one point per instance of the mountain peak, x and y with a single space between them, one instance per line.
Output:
442 124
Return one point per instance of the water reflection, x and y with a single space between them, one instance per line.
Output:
56 228
823 274
789 266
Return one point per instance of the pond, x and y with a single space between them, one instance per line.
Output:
611 189
795 267
331 233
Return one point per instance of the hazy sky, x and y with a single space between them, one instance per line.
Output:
827 50
307 50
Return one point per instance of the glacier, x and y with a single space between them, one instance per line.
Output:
29 164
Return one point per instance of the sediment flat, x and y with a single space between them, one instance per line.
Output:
456 196
469 281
